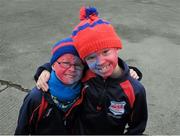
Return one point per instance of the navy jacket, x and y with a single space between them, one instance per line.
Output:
106 108
53 120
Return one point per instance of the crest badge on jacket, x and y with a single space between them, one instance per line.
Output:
117 108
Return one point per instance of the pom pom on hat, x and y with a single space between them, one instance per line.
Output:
87 13
82 13
93 33
62 47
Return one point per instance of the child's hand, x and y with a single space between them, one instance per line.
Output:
133 74
42 81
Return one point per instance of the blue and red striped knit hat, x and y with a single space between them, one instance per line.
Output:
62 47
93 33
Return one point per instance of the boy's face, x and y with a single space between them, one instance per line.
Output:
68 68
103 62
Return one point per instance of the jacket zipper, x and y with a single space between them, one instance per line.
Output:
102 97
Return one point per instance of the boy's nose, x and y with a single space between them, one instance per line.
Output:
99 60
72 67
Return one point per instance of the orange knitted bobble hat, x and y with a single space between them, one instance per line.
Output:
93 33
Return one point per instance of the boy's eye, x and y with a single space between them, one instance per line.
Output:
90 58
105 52
66 63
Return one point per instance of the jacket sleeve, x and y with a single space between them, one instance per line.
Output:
40 69
138 120
30 104
137 71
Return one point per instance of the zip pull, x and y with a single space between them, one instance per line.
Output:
98 108
65 122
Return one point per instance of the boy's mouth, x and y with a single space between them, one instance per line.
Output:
104 68
69 76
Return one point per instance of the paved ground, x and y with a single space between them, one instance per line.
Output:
150 30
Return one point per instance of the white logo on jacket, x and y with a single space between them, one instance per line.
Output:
117 108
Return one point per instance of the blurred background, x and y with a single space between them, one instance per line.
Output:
149 29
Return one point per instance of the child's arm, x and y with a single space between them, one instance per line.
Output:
23 127
138 120
136 71
42 75
27 111
40 69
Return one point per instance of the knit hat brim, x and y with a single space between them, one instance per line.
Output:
92 47
63 50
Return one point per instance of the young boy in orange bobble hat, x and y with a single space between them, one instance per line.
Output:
114 103
49 113
113 99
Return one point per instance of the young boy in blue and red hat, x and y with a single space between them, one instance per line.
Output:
50 112
113 99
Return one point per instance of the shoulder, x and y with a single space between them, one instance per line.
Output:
137 86
34 96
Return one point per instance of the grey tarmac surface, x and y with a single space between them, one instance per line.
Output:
150 31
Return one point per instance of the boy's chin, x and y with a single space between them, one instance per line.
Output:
68 82
106 75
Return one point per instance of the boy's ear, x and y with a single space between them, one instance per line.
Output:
117 50
53 65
